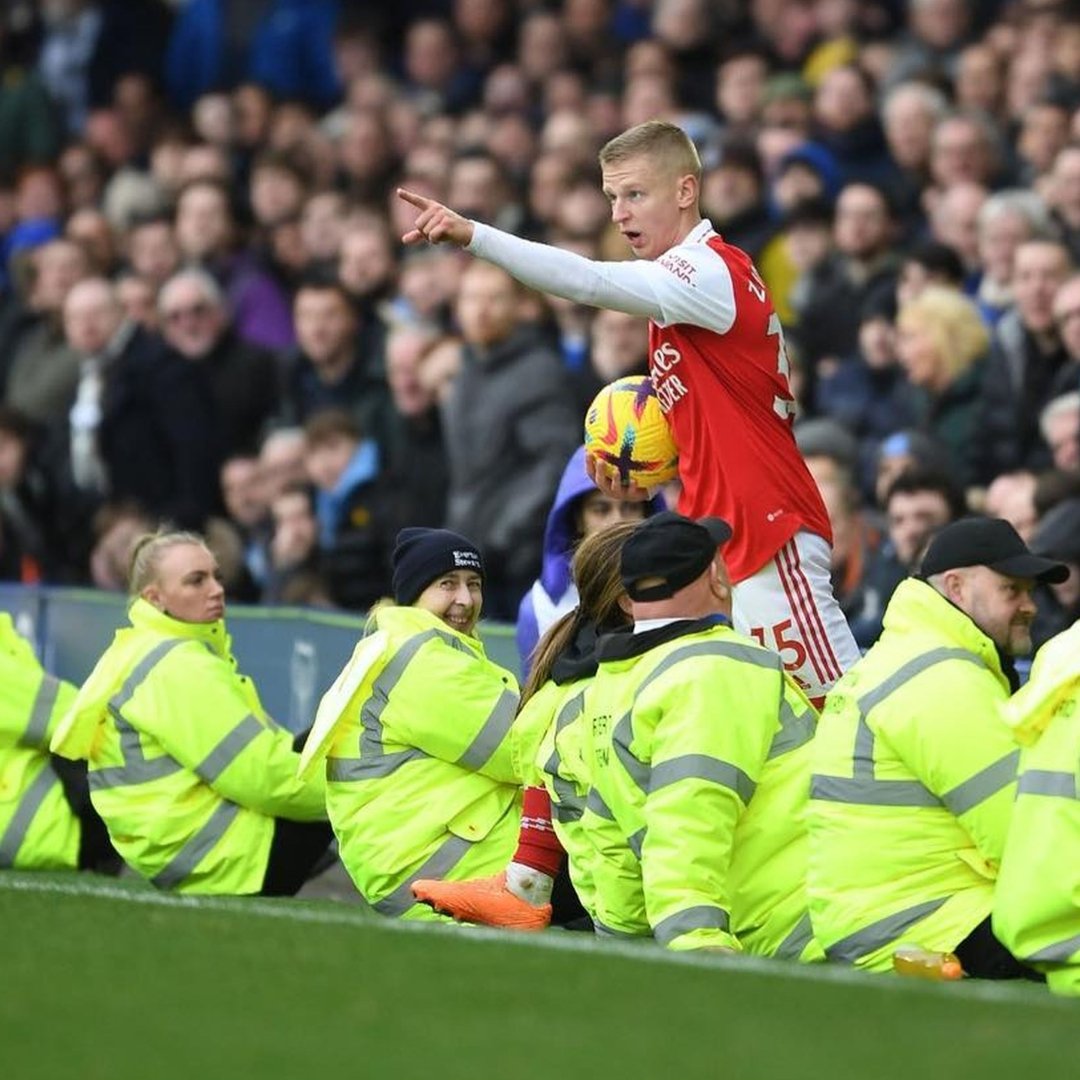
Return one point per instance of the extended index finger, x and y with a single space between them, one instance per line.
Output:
421 202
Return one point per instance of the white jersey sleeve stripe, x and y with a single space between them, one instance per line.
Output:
690 284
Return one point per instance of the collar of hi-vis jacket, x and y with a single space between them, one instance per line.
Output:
919 610
1054 681
397 620
77 731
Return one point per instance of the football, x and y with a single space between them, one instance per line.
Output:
626 429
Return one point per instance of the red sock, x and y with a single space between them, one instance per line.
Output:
538 846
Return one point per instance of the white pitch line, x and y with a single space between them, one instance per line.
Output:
999 993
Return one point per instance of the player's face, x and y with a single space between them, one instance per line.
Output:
645 204
456 598
188 585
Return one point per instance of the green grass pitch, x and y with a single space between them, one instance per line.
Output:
110 981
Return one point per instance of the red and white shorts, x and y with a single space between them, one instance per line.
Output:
788 606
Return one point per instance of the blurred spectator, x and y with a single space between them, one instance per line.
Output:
243 379
1067 321
867 391
942 345
733 198
281 461
509 426
917 503
31 544
954 217
1058 537
332 365
30 129
294 576
1025 356
1006 220
42 370
928 263
1063 196
116 528
138 300
244 496
206 234
356 531
1059 424
1012 496
287 45
152 251
902 451
416 457
864 262
141 427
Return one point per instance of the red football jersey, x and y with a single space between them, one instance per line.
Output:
727 399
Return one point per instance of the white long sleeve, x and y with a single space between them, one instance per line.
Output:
688 284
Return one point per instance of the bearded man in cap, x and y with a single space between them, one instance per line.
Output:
699 745
914 770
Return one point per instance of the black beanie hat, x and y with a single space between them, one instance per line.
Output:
422 555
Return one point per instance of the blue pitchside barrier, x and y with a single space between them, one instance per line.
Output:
293 654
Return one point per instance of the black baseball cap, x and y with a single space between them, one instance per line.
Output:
670 547
990 542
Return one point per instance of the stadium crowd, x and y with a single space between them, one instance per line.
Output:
209 319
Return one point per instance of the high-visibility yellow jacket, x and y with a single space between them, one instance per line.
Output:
560 767
187 770
38 828
699 749
425 761
914 776
1037 900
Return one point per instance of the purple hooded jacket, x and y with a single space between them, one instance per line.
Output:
554 593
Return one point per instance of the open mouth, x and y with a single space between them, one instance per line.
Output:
632 238
459 622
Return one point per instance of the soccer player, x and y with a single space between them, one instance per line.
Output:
720 368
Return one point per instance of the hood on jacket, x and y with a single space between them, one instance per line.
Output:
560 533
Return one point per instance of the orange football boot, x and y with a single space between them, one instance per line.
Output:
486 901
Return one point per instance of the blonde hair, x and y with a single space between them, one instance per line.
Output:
953 323
146 555
665 143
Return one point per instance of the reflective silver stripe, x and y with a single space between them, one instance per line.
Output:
861 788
353 769
38 725
985 783
607 931
29 804
567 805
621 737
1061 785
702 917
733 650
596 805
702 767
636 842
371 726
490 737
446 857
867 792
142 669
795 731
1061 952
137 767
882 932
802 933
197 848
229 749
